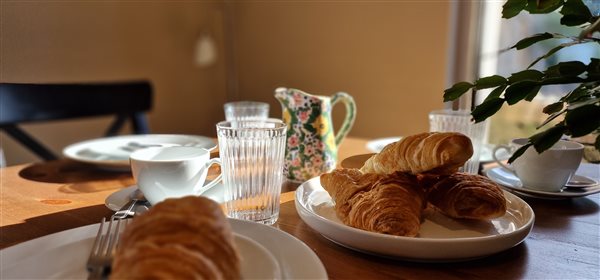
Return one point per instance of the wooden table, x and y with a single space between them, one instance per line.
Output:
44 198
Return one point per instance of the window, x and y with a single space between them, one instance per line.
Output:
521 120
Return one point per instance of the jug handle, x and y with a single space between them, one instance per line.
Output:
350 115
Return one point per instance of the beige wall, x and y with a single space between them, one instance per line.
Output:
62 41
391 56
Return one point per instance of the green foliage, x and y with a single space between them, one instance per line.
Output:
524 43
456 91
579 108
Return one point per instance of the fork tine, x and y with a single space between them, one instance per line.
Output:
105 238
104 246
96 246
113 238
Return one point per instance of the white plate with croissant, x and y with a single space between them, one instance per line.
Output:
157 243
440 238
409 201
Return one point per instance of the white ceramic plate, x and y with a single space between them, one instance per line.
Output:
113 152
119 198
377 145
441 239
266 253
512 183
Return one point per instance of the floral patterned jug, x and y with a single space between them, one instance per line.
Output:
311 143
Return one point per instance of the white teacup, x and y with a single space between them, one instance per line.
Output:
171 172
548 171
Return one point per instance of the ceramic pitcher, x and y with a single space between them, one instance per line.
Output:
312 144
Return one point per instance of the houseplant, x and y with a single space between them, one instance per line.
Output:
577 111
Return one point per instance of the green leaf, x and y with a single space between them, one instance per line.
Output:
593 69
521 90
578 93
519 152
496 93
546 139
567 68
550 118
533 93
583 120
456 91
526 75
524 43
553 108
543 6
575 12
551 52
513 7
487 109
490 82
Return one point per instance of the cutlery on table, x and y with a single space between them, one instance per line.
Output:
130 208
100 259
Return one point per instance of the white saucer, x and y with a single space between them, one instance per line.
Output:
119 198
113 152
587 185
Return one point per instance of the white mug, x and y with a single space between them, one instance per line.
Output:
548 171
172 172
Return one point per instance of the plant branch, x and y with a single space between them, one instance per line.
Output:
588 31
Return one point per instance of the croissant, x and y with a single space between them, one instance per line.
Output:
462 195
433 152
184 238
384 203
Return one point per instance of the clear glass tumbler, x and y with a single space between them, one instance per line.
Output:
460 121
246 110
252 155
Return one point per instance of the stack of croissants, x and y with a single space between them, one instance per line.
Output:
393 188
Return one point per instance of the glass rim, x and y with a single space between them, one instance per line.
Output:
277 124
450 113
245 104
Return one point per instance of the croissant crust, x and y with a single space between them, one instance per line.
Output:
184 238
384 203
433 152
462 195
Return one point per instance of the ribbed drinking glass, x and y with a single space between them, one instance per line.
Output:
252 155
246 111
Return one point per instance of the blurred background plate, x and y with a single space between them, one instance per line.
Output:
113 152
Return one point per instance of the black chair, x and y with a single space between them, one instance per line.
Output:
34 103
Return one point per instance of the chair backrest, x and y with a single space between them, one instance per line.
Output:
30 103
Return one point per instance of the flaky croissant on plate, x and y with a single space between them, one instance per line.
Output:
429 152
184 238
390 203
462 195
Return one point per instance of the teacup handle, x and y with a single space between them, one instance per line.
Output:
214 182
499 162
350 115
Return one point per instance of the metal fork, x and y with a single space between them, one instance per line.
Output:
100 258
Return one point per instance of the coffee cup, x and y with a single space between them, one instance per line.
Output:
172 172
547 171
